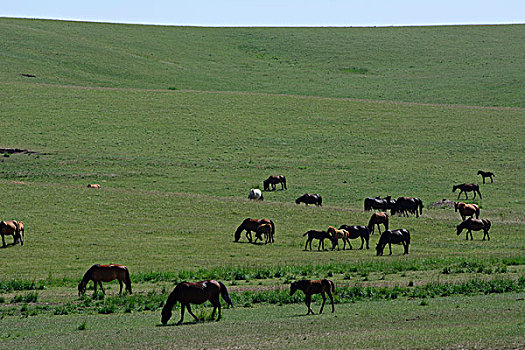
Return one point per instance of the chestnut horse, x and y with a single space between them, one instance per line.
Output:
105 273
314 234
310 287
400 236
274 180
195 293
376 219
251 225
336 235
356 232
466 210
12 228
485 174
467 188
472 224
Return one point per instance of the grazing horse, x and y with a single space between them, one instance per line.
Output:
378 203
93 186
310 199
376 219
314 287
467 188
336 235
466 210
356 232
314 234
472 224
196 293
266 230
12 228
274 180
255 194
406 206
485 174
105 273
400 236
252 225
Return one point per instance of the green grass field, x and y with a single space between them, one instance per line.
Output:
178 123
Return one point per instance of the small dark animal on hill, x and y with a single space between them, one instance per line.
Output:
485 174
356 232
472 224
400 236
274 180
314 234
105 273
467 188
376 219
310 199
310 287
196 293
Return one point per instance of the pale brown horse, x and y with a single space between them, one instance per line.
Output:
251 225
12 228
195 293
337 235
472 224
105 273
266 231
274 180
466 210
467 188
376 219
310 287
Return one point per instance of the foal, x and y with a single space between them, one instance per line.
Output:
485 174
314 287
338 234
314 234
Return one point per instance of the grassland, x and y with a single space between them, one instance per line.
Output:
176 167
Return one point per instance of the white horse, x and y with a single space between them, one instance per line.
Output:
255 194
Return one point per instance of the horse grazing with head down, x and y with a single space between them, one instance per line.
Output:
314 234
400 236
337 235
378 203
356 232
472 224
265 230
105 273
12 228
310 199
251 225
255 194
314 287
274 180
196 293
466 210
485 174
467 188
376 219
407 205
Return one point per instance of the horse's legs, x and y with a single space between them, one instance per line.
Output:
306 244
470 231
350 244
3 241
103 291
308 301
390 247
324 301
191 313
120 282
249 235
362 242
182 308
487 232
331 299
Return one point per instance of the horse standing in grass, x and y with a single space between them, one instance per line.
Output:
485 174
472 224
255 194
406 206
400 236
376 219
310 199
466 210
12 228
467 188
314 234
105 273
356 232
266 231
274 180
337 235
196 293
251 225
314 287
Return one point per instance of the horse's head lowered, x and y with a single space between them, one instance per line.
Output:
294 286
81 288
266 184
166 314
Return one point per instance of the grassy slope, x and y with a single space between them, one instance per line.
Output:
473 65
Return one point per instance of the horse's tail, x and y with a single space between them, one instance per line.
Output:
225 295
477 212
332 285
320 201
127 280
273 229
304 234
420 204
408 237
284 182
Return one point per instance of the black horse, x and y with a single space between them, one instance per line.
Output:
378 203
314 234
310 199
356 232
400 236
467 188
485 174
406 206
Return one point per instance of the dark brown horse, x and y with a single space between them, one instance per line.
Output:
376 219
196 293
310 199
467 188
356 232
378 203
266 231
472 224
274 180
466 210
105 273
12 228
485 174
406 206
314 287
251 225
314 234
400 236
